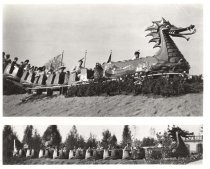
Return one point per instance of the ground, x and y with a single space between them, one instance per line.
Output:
118 161
119 105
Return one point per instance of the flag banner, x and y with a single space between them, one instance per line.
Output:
54 63
116 69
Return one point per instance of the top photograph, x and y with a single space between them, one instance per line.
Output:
103 60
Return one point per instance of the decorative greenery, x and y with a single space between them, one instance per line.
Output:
8 142
27 138
156 154
126 136
52 134
167 86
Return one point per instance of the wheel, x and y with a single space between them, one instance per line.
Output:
29 91
49 92
39 92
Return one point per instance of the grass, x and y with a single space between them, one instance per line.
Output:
48 161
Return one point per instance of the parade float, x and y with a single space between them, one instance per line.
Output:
168 67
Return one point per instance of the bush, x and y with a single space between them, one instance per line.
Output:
159 85
156 155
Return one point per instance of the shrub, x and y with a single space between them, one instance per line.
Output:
156 155
159 85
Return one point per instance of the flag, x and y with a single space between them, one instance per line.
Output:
110 58
54 63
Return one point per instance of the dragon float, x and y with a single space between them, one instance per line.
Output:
168 61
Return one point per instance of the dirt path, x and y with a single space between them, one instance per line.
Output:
120 105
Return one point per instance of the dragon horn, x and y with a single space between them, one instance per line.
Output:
157 40
153 27
156 45
156 22
149 34
163 19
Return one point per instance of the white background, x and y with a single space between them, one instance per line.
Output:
124 120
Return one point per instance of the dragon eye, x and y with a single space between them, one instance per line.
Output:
167 26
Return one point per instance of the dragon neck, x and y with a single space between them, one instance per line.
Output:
168 48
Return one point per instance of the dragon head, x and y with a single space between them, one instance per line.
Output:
168 28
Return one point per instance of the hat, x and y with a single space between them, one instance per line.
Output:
27 60
137 52
81 60
62 67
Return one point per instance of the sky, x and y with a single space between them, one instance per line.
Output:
40 32
138 132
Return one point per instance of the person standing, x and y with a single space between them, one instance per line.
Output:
136 55
7 60
21 68
14 63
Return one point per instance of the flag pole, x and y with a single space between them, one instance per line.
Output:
62 58
110 57
85 57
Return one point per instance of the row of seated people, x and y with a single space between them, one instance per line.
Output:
42 76
79 153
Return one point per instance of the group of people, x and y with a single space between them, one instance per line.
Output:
36 74
41 74
21 66
32 72
128 152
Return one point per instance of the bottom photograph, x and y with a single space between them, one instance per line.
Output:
117 144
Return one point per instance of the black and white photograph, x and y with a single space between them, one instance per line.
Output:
119 144
104 84
103 60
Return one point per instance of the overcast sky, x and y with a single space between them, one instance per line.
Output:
138 131
40 32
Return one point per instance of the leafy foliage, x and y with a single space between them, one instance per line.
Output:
27 138
52 134
156 155
8 142
126 136
113 141
167 86
73 139
91 142
147 141
106 139
36 142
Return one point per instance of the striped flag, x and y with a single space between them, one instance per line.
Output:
54 63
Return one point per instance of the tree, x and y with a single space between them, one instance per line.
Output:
73 138
137 143
113 141
148 141
166 142
91 142
8 142
164 139
105 140
52 134
81 142
27 138
126 136
36 142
